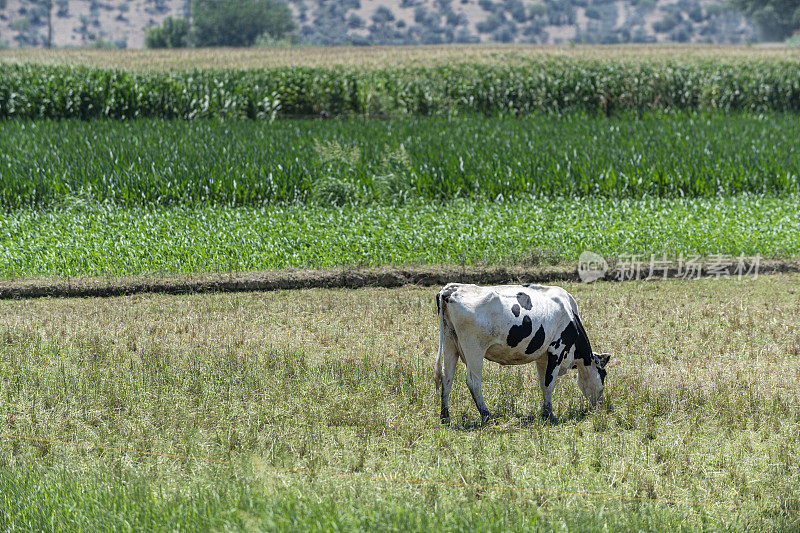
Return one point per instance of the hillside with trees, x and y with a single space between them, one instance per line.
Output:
175 23
362 22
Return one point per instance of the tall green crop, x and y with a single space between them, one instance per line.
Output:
534 86
157 162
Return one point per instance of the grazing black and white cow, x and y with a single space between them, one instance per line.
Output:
514 325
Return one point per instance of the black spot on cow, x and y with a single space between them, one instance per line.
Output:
524 300
537 341
553 360
447 293
517 333
567 339
583 348
515 309
602 372
438 305
572 335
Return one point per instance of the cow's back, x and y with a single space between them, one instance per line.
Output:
511 324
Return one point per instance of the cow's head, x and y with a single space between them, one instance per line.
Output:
591 378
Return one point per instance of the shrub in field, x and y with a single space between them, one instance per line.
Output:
331 190
394 181
388 179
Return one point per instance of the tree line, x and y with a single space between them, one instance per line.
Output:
224 23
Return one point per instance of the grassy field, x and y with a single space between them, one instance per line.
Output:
379 56
158 162
320 408
315 410
79 239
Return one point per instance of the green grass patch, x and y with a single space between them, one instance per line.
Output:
103 240
48 499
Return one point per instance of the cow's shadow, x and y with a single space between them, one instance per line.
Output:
499 420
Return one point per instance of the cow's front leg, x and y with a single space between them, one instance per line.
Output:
547 382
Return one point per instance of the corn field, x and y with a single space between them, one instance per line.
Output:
365 162
549 86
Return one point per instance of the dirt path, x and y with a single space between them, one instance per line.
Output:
335 278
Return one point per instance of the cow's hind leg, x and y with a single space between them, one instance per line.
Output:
446 370
473 356
547 382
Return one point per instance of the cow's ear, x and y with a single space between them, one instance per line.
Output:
604 357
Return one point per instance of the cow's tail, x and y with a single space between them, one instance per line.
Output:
438 371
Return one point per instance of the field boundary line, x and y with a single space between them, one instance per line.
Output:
341 278
425 482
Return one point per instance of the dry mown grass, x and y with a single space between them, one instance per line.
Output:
378 56
704 406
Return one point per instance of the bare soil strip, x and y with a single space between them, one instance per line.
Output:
345 278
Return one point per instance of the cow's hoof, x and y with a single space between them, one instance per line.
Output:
445 420
548 418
